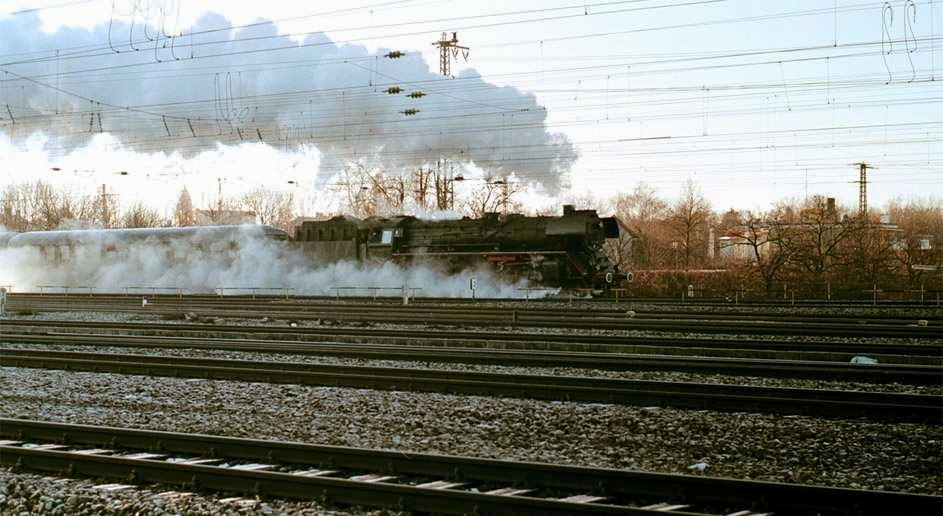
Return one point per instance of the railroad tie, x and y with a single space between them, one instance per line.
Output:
583 498
93 451
314 472
372 478
200 461
508 491
441 484
144 456
46 446
253 467
665 507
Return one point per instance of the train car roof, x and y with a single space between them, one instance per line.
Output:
5 236
97 236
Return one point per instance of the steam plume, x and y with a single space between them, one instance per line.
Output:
264 265
190 89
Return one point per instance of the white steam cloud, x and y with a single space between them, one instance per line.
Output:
268 266
160 91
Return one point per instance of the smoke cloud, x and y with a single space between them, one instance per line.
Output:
167 89
269 267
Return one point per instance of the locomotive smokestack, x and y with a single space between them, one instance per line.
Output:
567 209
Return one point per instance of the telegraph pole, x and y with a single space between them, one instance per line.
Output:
447 46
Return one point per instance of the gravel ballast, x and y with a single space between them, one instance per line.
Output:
843 453
26 494
840 453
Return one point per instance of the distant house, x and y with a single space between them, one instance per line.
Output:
735 247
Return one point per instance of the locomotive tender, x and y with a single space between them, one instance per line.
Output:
564 251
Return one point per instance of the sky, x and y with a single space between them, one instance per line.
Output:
754 101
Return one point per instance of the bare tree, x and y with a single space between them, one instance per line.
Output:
17 213
757 234
141 216
107 209
642 213
272 208
688 219
47 206
495 196
423 179
82 212
357 187
224 210
813 238
585 200
920 239
41 206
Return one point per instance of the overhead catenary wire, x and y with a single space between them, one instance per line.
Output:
649 104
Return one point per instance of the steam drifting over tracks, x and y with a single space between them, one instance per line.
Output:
428 483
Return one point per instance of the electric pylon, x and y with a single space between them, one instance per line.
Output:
447 46
863 187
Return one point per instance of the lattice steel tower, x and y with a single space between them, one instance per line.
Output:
863 187
449 46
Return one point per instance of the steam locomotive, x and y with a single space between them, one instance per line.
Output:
564 251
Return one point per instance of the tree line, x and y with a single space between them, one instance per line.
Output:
810 248
41 206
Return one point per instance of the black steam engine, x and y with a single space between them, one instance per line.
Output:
564 251
559 251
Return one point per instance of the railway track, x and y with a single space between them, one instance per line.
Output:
806 369
580 308
932 302
820 403
414 482
928 353
475 315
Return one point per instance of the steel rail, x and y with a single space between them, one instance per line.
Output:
620 343
490 311
343 491
523 311
624 491
813 402
806 369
